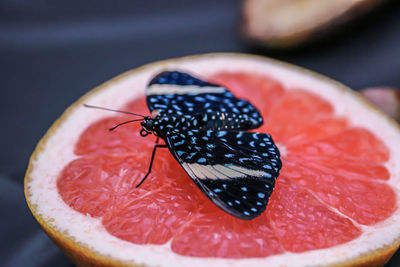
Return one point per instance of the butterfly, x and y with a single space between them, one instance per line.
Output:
204 127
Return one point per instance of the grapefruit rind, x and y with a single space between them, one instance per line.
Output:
85 240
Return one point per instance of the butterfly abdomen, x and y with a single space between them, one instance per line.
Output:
167 123
224 121
219 121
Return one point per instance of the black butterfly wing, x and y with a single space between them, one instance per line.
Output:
173 92
236 170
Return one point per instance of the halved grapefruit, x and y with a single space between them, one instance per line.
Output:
336 201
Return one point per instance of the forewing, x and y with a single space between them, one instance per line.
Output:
178 93
236 170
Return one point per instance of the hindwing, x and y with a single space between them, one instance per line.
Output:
236 170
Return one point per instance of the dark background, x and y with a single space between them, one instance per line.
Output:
52 52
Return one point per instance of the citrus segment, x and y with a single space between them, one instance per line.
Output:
304 223
315 129
348 167
264 91
294 112
154 218
93 185
351 143
365 201
227 238
98 139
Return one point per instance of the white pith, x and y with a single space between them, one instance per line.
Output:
88 231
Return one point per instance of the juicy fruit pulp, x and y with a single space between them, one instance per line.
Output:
331 183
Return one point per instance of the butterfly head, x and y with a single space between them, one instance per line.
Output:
147 126
149 123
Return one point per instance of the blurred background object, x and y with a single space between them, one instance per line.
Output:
386 98
52 52
291 23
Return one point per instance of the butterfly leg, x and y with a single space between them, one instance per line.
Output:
151 162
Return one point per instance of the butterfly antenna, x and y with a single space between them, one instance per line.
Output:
122 123
108 109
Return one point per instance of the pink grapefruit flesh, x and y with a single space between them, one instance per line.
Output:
330 184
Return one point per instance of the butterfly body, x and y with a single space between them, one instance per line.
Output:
204 127
207 121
